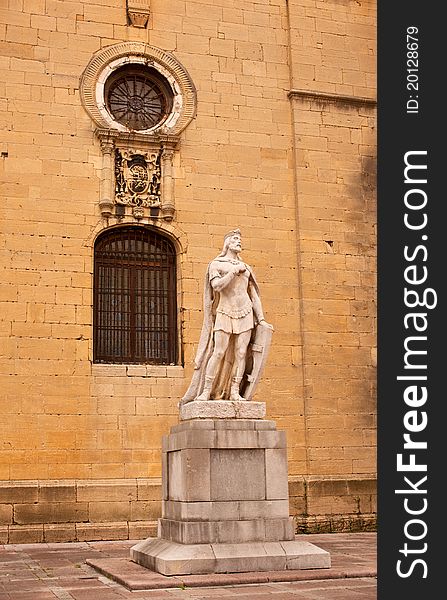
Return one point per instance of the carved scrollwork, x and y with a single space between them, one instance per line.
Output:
137 177
137 173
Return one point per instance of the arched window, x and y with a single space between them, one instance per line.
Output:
134 306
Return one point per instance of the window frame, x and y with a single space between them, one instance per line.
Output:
149 74
157 266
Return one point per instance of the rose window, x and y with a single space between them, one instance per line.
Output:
138 97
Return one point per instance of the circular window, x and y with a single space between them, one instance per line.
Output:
132 86
138 97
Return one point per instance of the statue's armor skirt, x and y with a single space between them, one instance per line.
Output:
233 325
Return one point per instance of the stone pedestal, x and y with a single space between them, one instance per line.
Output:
225 498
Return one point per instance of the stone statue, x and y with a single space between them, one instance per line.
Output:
227 365
222 453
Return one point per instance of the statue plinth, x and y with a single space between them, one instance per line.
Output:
222 409
225 497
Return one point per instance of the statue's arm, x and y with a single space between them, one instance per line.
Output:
218 283
256 300
257 306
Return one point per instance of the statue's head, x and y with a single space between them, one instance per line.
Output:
232 241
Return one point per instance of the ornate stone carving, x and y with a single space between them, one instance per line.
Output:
142 174
138 212
137 173
138 12
137 177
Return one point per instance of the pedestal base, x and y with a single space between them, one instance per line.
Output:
170 558
225 497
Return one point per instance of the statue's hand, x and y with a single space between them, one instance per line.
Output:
265 324
238 269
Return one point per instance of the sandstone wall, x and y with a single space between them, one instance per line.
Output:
282 146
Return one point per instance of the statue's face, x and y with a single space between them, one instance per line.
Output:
235 243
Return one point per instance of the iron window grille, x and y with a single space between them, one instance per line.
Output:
138 97
134 304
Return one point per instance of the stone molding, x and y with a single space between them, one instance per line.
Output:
138 12
177 237
161 140
332 98
137 370
108 59
172 558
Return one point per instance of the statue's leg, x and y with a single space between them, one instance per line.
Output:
221 340
240 352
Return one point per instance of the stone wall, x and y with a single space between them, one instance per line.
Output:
78 510
282 146
333 87
110 509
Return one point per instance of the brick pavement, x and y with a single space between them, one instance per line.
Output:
59 571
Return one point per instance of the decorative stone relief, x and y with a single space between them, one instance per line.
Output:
137 177
138 12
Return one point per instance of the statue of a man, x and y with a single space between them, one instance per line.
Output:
232 310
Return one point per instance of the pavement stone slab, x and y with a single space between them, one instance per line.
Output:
28 572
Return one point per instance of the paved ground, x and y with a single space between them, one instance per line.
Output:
59 571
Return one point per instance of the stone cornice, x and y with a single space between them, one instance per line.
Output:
139 139
335 98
